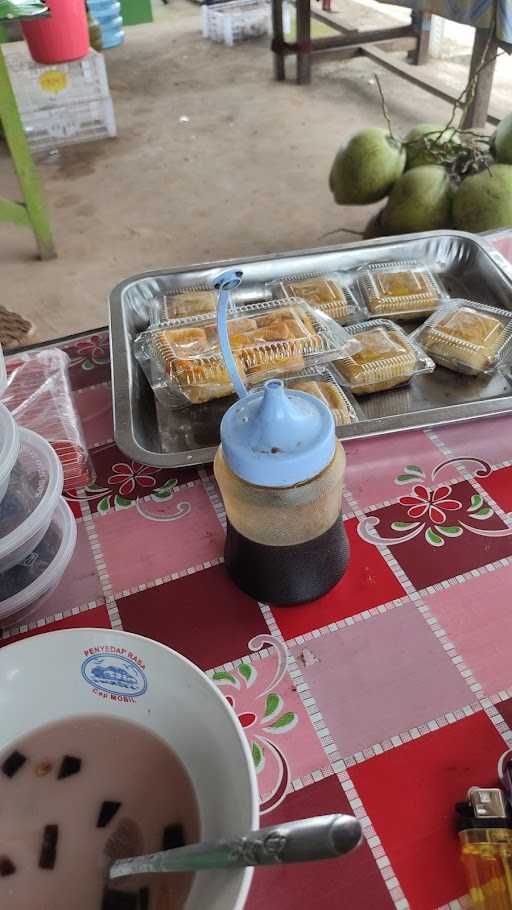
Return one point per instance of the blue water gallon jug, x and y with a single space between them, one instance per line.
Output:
108 14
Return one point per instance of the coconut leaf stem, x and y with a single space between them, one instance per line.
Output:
384 107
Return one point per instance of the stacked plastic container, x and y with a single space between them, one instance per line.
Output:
235 21
37 527
63 103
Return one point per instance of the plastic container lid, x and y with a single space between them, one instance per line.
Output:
30 500
278 438
3 372
273 437
40 572
9 447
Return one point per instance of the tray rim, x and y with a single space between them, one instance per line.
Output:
428 418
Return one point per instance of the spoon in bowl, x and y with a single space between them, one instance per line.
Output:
310 839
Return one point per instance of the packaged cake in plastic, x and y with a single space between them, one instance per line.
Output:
400 290
329 293
182 304
322 384
467 337
185 365
387 358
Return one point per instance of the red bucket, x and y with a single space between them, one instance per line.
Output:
62 37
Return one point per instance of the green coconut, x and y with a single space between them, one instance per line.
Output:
365 170
418 154
420 201
483 202
501 143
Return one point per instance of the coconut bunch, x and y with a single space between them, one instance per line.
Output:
436 177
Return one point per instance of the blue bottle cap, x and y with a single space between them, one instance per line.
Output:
272 437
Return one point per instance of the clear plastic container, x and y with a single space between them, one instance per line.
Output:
9 447
400 290
3 371
387 358
183 304
323 385
27 508
185 365
23 585
328 293
467 337
39 397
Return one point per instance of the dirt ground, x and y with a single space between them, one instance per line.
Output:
245 172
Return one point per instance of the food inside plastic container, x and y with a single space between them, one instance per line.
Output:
401 290
325 292
267 340
26 510
327 390
22 586
467 337
387 358
185 303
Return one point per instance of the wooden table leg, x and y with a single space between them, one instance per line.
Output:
278 38
422 21
303 14
484 48
33 209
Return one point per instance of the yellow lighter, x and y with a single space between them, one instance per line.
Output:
485 835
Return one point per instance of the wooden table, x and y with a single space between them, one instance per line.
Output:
350 43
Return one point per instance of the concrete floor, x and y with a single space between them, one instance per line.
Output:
245 174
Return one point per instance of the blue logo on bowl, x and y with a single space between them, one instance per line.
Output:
115 675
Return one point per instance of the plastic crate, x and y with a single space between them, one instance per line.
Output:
39 87
236 21
69 124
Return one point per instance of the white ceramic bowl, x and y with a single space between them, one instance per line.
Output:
48 678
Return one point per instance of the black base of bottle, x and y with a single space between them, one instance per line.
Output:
287 576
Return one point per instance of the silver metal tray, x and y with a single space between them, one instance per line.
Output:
152 435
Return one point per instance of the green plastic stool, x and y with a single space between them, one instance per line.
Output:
32 211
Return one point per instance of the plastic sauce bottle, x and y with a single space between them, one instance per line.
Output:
280 471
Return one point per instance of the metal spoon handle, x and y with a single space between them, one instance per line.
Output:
321 837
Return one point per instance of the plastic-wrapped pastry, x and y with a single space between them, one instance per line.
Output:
184 304
401 291
324 292
466 337
330 394
184 358
387 358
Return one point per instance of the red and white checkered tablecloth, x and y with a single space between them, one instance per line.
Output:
387 698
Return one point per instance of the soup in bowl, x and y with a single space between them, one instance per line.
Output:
112 745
